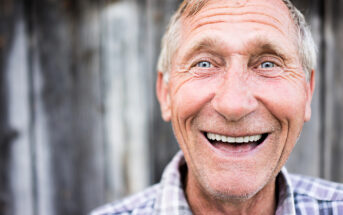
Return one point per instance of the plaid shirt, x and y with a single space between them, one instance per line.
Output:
297 195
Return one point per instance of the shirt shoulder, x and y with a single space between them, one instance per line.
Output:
316 189
138 204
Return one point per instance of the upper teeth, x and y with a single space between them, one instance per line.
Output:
227 139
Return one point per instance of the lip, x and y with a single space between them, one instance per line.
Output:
235 134
235 154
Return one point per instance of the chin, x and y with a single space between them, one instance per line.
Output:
236 188
233 193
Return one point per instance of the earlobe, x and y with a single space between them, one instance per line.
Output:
163 97
310 90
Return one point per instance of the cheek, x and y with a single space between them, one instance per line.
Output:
192 95
286 101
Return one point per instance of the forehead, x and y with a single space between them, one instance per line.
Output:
275 10
240 16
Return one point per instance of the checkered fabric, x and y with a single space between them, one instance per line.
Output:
298 195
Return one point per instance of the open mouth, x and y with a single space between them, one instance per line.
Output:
235 144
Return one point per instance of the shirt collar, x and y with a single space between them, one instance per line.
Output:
285 201
171 198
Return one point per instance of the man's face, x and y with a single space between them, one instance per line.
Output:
236 77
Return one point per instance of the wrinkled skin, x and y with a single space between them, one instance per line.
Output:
237 73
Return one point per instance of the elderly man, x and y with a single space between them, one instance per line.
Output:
236 80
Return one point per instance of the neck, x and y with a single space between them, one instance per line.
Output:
263 202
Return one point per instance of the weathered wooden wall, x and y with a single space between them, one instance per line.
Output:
79 122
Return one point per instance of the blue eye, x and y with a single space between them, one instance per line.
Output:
267 65
204 64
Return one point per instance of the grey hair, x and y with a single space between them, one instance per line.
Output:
171 38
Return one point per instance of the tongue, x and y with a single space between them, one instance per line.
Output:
234 147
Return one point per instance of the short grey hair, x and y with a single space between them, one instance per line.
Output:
307 48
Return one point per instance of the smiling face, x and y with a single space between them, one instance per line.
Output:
237 96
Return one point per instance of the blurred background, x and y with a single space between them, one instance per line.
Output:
79 121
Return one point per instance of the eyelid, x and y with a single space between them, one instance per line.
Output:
206 59
215 59
272 72
278 61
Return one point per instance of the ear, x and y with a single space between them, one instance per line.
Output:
310 89
163 97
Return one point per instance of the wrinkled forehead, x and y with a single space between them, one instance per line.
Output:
271 13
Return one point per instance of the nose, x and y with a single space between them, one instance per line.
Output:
233 98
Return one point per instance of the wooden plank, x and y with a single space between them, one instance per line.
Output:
68 129
113 90
333 100
19 164
89 146
19 119
40 144
125 103
8 16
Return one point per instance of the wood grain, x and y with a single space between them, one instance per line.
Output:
79 121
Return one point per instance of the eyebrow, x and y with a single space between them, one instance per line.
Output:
265 45
256 46
208 44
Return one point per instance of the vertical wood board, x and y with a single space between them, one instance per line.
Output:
333 102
